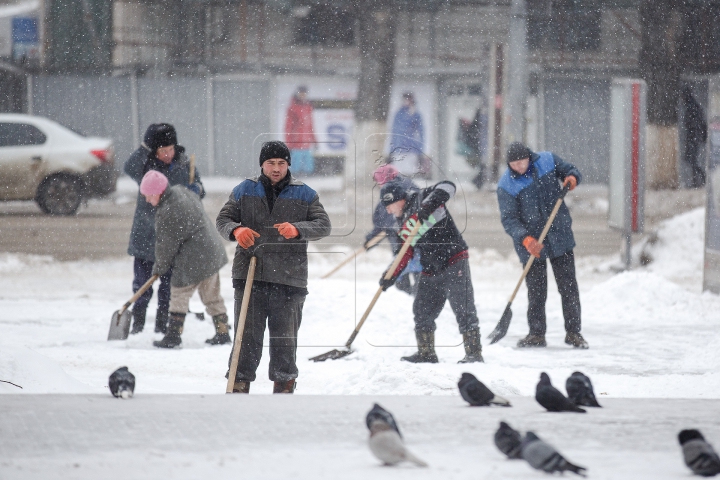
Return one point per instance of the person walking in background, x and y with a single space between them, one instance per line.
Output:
272 217
407 140
187 242
526 194
159 152
695 138
472 142
299 132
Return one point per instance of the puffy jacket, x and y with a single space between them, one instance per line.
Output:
279 260
142 234
299 134
186 239
526 202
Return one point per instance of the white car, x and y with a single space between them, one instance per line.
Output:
43 161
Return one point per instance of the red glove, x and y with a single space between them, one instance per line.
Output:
533 246
245 236
572 181
287 230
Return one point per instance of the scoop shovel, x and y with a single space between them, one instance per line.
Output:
120 323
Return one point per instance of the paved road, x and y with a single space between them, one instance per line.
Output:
102 227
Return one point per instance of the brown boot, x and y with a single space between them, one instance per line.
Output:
175 328
221 330
241 387
284 387
426 349
532 341
473 349
576 340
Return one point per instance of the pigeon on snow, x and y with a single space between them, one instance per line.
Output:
122 383
508 441
477 394
551 398
698 454
542 456
580 390
385 440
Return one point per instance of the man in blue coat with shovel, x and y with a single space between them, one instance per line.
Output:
527 193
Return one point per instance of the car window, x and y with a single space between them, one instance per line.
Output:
20 134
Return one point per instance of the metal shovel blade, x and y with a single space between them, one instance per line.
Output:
502 327
120 325
332 355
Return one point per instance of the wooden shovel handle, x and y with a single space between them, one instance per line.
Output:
191 178
138 294
373 241
240 329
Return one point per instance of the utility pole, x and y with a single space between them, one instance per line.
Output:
517 74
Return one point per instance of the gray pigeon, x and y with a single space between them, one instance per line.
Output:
551 398
385 441
477 394
542 456
698 454
508 441
122 383
580 390
379 413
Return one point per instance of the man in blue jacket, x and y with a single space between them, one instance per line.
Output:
527 193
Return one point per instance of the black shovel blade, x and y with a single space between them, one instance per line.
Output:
502 326
120 325
332 355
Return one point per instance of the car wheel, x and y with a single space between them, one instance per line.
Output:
60 194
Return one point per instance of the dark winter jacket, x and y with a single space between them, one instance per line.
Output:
142 235
386 222
279 260
527 200
186 239
439 240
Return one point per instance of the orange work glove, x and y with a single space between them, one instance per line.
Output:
245 236
533 246
287 230
572 181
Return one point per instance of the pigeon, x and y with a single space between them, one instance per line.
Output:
551 398
542 456
477 394
122 383
508 441
385 441
580 390
698 454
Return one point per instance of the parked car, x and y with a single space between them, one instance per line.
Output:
43 161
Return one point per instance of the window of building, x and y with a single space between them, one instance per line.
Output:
563 25
324 25
20 134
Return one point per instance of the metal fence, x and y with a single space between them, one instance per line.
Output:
216 119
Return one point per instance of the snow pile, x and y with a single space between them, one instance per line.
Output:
31 372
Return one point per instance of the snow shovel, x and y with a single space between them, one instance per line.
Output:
120 323
240 330
504 323
335 354
373 241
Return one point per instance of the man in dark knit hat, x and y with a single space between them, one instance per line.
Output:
159 151
527 193
272 217
445 268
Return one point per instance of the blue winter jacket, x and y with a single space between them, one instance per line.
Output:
527 200
408 134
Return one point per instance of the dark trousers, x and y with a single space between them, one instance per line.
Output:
143 272
281 305
536 280
453 284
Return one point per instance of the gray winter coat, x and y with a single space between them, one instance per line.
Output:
278 260
186 239
142 235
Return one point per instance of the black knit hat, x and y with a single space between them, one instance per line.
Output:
160 135
274 149
392 192
517 151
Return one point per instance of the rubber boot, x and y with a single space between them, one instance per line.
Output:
138 321
284 387
241 387
532 341
473 349
426 349
172 337
221 330
576 340
161 322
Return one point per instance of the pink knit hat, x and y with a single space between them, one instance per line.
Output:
384 173
153 183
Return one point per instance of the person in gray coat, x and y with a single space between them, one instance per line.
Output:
272 217
187 243
159 151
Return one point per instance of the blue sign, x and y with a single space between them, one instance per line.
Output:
25 30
